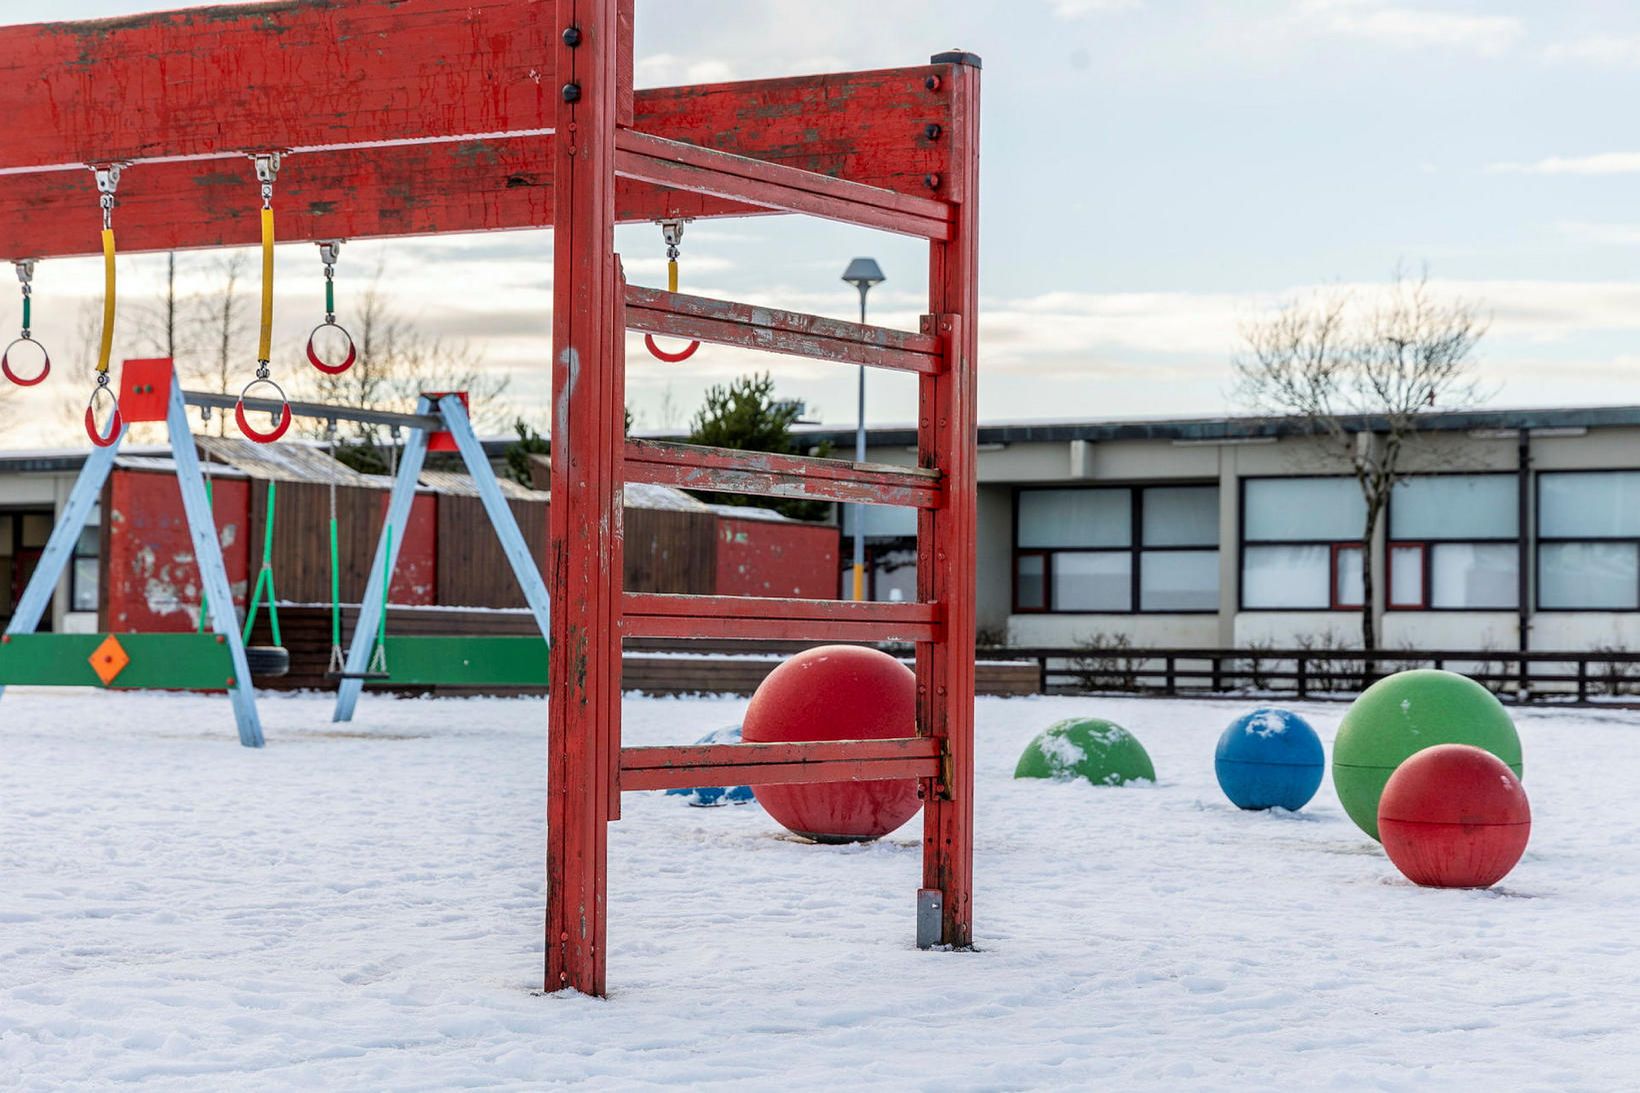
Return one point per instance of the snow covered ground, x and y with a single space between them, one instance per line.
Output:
362 910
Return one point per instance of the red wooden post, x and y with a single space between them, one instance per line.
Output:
947 438
584 717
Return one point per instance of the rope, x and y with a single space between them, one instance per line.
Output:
378 659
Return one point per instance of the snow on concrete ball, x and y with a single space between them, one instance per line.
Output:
713 796
1269 759
1098 751
1403 714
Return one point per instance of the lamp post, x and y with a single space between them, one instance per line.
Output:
862 273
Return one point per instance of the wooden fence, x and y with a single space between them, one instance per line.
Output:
1324 673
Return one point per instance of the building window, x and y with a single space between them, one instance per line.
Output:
1454 543
1107 550
84 593
1589 541
1301 544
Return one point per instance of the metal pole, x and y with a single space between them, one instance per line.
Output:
860 457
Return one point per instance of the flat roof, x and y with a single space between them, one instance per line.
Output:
1209 429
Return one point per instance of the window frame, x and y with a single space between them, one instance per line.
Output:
1539 540
1333 547
1427 544
1135 549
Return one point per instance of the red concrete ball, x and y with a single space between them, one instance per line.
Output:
1454 816
836 692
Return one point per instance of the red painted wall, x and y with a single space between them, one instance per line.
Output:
415 578
151 582
767 558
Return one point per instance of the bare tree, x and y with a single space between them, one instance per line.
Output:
396 363
1360 375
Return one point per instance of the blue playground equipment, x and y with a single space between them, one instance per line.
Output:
1269 759
713 796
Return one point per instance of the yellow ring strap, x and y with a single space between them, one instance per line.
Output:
106 350
672 275
265 345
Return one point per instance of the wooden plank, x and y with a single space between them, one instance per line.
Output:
770 764
585 542
756 617
683 166
947 433
699 467
286 74
772 330
869 127
184 662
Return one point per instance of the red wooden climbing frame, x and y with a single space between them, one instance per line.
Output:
416 117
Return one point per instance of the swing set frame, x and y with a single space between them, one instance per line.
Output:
543 128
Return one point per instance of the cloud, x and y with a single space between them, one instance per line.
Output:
1606 163
1487 35
1077 9
1620 235
1610 50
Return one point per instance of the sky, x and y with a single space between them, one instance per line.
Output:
1155 173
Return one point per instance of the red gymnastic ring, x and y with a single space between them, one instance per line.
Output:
670 358
5 363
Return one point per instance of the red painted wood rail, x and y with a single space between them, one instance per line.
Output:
419 117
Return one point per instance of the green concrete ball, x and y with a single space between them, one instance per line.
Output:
1406 713
1101 752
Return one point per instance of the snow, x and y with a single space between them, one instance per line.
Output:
361 909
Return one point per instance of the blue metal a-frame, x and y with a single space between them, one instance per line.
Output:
456 423
213 572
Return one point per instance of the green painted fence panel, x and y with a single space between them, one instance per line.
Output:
187 662
502 661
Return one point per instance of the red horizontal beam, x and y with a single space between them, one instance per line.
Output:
682 166
658 615
866 126
769 764
288 74
772 330
725 470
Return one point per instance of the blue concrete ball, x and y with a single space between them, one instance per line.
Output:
713 796
1269 759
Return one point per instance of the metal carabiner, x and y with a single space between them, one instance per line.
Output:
282 421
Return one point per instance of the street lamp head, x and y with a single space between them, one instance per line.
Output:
862 273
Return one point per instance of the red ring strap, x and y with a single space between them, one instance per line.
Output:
115 424
5 365
670 358
261 438
332 369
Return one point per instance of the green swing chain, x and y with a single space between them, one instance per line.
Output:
337 663
264 592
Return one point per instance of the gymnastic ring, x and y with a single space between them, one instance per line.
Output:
5 363
278 430
331 369
115 423
670 358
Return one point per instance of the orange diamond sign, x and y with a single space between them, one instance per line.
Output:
109 659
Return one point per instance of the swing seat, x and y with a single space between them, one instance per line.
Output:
267 661
366 676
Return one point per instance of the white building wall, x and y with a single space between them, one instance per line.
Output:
1187 631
